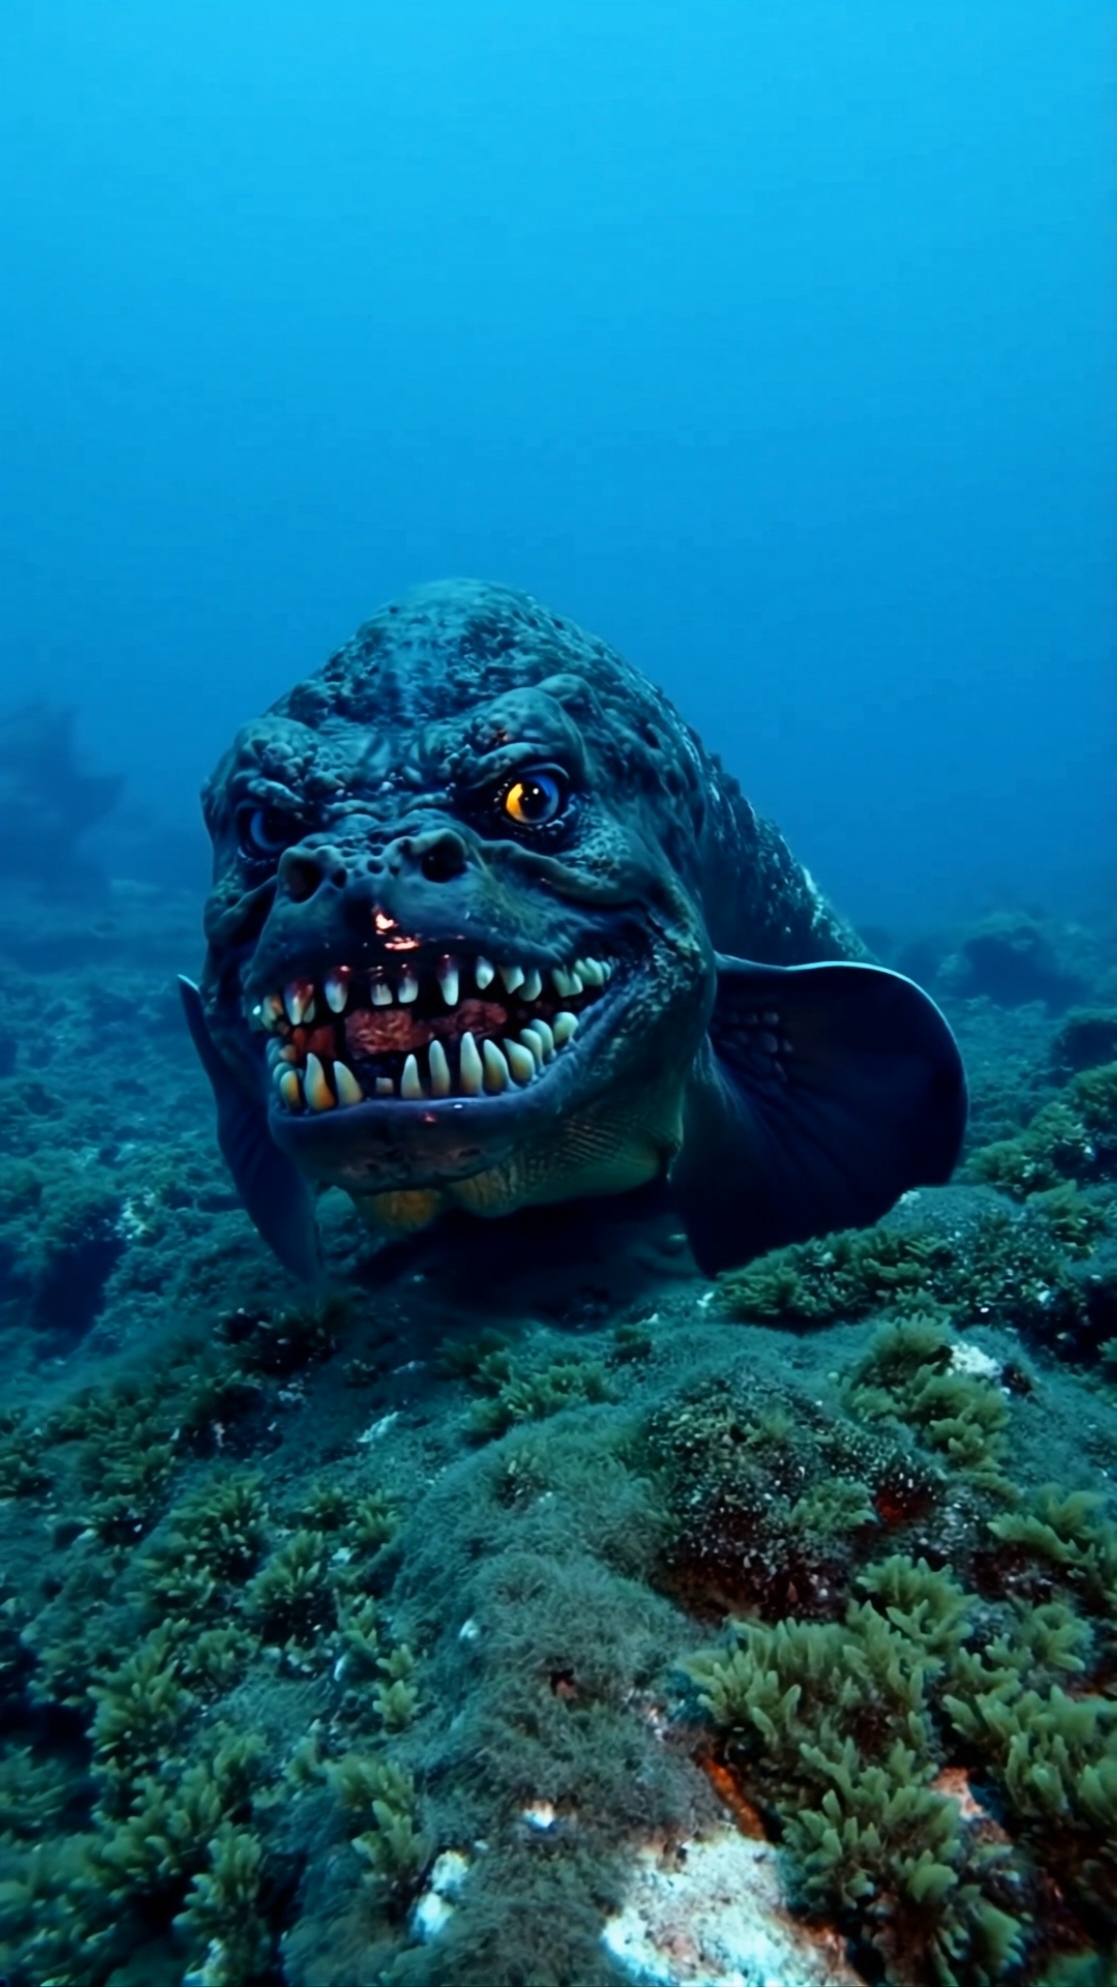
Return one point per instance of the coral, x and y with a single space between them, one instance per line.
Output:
223 1921
291 1597
515 1393
846 1275
834 1726
377 1801
909 1372
212 1540
1072 1138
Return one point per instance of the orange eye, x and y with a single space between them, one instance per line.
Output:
533 800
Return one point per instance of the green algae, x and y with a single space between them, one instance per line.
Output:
1073 1138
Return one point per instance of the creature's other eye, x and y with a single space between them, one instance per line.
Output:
534 797
266 831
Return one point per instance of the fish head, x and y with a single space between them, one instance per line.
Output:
456 949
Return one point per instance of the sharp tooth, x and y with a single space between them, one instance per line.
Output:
271 1011
448 981
513 976
440 1071
533 983
567 982
520 1061
484 974
318 1093
409 1084
381 993
472 1069
591 971
496 1069
545 1033
385 1087
348 1089
534 1042
408 985
336 988
298 999
565 1025
291 1090
607 966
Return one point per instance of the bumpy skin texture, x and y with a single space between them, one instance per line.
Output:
385 769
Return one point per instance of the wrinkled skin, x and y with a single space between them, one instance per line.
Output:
364 824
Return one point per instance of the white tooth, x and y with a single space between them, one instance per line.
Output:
273 1053
513 976
408 985
409 1084
607 966
270 1011
496 1069
567 982
348 1089
298 999
440 1071
337 992
291 1090
385 1087
565 1025
484 974
591 970
448 981
545 1033
472 1068
534 1042
533 983
520 1061
381 993
318 1093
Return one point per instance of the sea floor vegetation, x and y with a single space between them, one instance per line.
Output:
407 1637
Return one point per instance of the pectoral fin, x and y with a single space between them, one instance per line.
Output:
275 1195
822 1093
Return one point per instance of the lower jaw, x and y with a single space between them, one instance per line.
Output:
405 1166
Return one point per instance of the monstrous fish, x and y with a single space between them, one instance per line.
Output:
490 929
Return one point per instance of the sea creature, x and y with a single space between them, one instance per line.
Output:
490 929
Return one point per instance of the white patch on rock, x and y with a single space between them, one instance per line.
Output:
967 1358
378 1429
432 1911
715 1915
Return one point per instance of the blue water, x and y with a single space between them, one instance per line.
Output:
774 342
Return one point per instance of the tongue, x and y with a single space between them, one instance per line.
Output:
374 1031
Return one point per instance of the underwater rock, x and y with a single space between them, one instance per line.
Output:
47 803
714 1913
1010 959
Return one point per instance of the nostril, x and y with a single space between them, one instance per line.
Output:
301 875
301 879
443 859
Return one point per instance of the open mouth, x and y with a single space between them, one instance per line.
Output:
446 1027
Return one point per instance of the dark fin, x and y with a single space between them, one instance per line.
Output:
822 1094
275 1195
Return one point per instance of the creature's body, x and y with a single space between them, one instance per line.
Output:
480 936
